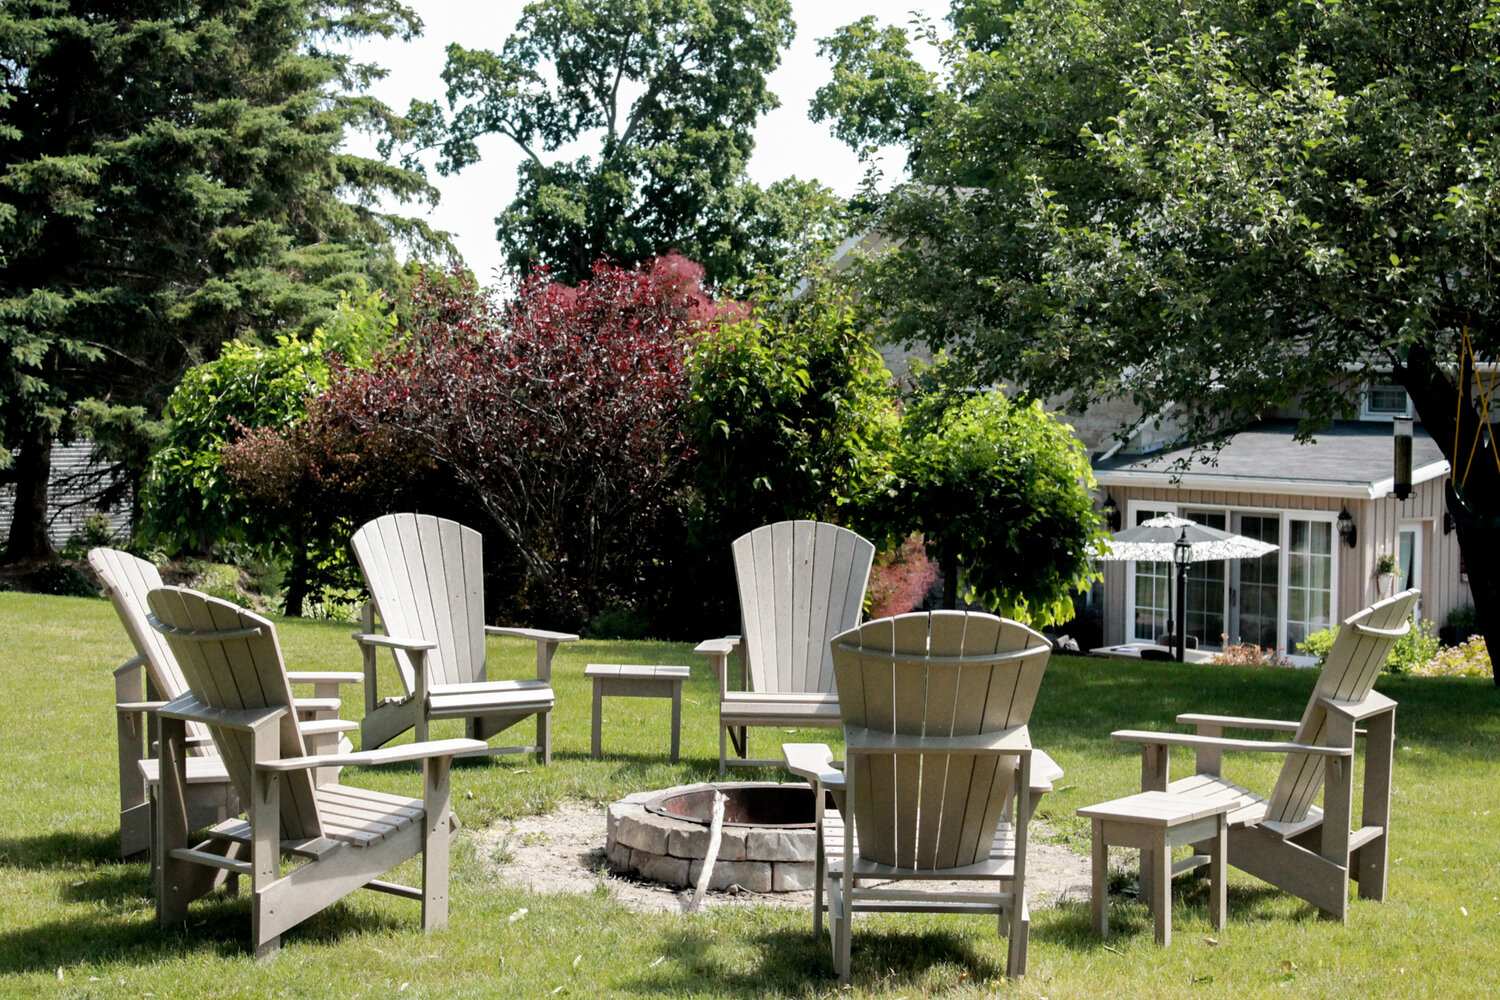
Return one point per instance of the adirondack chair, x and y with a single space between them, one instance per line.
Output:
346 837
1286 839
801 583
426 580
938 777
151 678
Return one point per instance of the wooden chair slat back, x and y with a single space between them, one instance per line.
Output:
237 671
127 580
426 577
940 809
1349 673
800 583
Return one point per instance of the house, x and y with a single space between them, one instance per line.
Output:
1328 505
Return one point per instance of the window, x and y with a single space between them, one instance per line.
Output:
1152 587
1384 400
1309 585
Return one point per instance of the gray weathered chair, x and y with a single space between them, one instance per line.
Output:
938 783
426 580
151 678
1285 838
800 584
345 837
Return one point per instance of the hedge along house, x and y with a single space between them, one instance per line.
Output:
1327 503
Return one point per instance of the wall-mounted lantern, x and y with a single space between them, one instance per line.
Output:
1347 531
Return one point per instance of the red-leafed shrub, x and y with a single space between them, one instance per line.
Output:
900 579
559 410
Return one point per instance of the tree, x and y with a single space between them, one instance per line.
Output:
559 411
1223 210
670 91
191 498
791 414
1000 492
170 179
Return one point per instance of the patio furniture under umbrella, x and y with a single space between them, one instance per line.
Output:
1182 542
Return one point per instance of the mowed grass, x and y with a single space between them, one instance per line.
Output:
75 922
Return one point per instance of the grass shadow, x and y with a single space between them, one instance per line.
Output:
59 849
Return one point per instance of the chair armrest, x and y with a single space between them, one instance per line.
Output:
717 651
325 676
813 761
392 641
130 666
534 634
124 707
320 727
1193 740
1044 771
311 706
188 708
1237 722
371 758
1372 704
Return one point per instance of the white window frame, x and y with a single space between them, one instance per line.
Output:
1286 514
1132 508
1377 416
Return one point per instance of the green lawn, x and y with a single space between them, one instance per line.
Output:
74 922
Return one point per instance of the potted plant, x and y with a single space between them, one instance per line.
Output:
1462 622
1385 574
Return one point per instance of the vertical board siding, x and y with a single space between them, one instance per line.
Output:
1376 522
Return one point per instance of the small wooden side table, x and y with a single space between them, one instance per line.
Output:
626 681
1156 822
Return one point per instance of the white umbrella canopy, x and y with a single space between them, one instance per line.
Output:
1156 539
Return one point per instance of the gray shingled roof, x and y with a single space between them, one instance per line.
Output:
1347 459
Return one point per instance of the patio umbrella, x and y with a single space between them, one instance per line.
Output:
1182 542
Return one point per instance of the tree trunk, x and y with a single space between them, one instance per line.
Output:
949 563
28 523
297 575
1449 416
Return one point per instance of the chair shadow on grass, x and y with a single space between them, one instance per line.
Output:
789 959
1071 923
217 925
58 849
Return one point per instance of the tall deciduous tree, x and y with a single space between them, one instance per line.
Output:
1222 209
667 93
170 178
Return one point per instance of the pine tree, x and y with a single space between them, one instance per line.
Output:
170 178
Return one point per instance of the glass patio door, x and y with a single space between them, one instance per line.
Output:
1255 591
1206 588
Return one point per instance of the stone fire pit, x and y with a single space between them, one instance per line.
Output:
767 843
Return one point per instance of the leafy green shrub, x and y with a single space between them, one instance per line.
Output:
61 579
95 531
1000 491
1464 618
1467 659
617 622
1418 645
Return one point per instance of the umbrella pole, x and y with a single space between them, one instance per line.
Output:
1179 634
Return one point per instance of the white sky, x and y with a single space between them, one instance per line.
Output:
786 142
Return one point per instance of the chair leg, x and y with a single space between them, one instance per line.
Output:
435 840
1020 935
544 737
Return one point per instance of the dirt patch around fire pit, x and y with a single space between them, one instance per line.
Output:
563 851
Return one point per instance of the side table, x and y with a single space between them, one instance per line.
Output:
626 681
1156 822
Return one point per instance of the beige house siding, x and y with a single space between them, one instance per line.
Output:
1377 523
